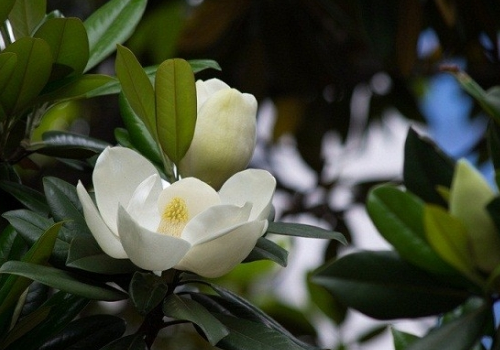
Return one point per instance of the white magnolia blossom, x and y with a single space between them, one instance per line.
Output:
186 225
224 136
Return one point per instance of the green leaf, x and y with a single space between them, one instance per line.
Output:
146 291
5 9
85 254
175 94
31 73
426 168
67 145
130 342
326 302
136 87
139 135
25 325
181 308
90 332
449 238
62 280
303 230
26 195
11 245
8 62
268 250
382 285
460 334
402 340
399 217
111 24
201 64
71 88
69 45
25 16
35 297
493 139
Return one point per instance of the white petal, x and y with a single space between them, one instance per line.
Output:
197 195
214 222
143 205
118 172
219 256
205 89
252 185
107 240
149 250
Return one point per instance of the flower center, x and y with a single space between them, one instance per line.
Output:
174 217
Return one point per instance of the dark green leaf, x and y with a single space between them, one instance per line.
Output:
303 230
111 24
425 168
175 96
31 73
493 139
398 216
383 286
371 333
402 340
8 61
136 87
62 280
326 302
82 86
460 334
200 65
146 291
37 295
69 44
85 254
68 145
90 332
11 245
25 16
186 309
25 325
268 250
130 342
5 9
29 197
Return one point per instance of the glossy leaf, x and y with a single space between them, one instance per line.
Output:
139 135
11 245
62 280
85 254
72 88
29 197
399 217
36 295
426 168
268 250
31 73
90 332
181 308
303 230
111 24
147 291
136 87
130 342
25 16
69 45
382 285
460 334
175 95
68 145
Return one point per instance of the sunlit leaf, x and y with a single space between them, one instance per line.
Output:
111 24
175 96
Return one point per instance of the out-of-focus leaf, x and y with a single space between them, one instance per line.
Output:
29 197
460 334
402 340
25 16
62 280
189 310
11 245
326 302
136 87
493 139
25 325
175 96
31 73
68 145
5 9
69 44
147 291
268 250
303 230
85 254
425 168
382 285
399 217
130 342
8 61
83 86
90 332
111 24
371 333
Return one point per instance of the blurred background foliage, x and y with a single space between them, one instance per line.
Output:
310 59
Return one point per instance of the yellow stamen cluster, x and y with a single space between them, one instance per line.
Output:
174 217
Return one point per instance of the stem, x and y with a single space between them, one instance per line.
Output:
152 324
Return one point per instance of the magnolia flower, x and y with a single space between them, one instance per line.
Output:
469 195
224 135
186 225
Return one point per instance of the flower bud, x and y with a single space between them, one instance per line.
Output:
224 136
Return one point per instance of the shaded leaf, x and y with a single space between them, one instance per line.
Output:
68 145
268 250
8 61
303 230
402 340
25 325
5 9
83 86
130 342
30 198
25 16
146 291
